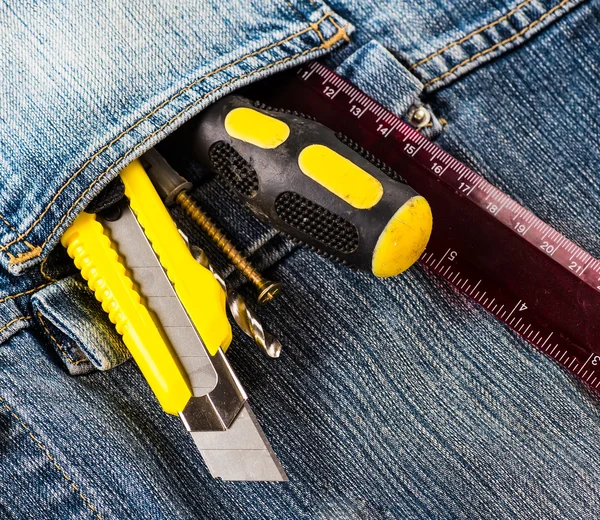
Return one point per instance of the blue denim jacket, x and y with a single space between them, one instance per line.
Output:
409 403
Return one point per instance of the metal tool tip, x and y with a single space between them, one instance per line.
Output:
272 347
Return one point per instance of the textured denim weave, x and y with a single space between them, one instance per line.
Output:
78 104
394 399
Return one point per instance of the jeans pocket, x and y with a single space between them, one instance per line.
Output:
121 95
65 312
377 72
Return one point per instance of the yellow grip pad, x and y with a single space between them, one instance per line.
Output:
340 176
254 127
403 239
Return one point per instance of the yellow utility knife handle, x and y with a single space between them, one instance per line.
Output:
99 264
200 293
198 290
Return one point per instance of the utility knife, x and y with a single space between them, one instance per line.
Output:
170 311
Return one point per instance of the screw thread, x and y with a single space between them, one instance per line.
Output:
223 243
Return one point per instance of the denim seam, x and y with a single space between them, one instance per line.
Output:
28 291
35 252
44 273
5 220
56 343
340 34
15 320
315 25
140 121
85 500
470 35
495 46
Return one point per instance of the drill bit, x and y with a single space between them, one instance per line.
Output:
242 314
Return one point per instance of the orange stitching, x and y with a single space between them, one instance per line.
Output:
86 500
471 34
43 323
341 30
22 257
5 220
28 291
314 26
334 39
21 318
43 273
508 40
147 116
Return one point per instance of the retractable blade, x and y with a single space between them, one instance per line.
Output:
145 291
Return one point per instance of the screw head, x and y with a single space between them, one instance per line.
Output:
268 291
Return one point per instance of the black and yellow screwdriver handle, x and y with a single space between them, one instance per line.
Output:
314 185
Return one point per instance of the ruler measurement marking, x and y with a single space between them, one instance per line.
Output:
518 321
587 360
549 336
442 259
308 74
563 355
584 269
518 303
476 285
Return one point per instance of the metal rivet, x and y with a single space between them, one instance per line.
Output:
420 118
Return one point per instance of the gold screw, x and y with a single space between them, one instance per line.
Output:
267 289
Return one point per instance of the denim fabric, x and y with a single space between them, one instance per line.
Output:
84 91
393 398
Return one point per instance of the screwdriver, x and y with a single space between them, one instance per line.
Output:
313 184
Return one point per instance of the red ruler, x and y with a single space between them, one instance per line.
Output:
542 285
